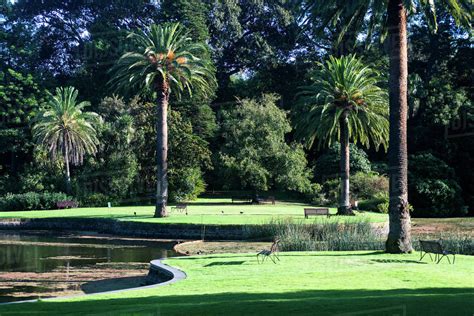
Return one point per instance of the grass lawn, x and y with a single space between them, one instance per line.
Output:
202 211
313 283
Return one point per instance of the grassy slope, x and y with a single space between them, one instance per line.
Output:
207 211
323 283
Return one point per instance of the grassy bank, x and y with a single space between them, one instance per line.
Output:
202 211
322 283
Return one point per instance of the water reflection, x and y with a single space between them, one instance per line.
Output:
36 264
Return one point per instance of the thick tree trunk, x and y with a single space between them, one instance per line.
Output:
399 239
344 203
68 174
162 151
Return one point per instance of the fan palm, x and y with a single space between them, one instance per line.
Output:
164 60
344 103
65 130
391 17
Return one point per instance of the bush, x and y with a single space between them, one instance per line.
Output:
367 185
327 165
330 192
433 187
315 195
186 184
95 199
378 203
32 201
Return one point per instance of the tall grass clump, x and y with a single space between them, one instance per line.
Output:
327 234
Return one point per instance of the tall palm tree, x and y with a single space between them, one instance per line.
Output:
344 102
65 130
390 16
164 60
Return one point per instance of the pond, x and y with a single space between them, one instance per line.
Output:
36 264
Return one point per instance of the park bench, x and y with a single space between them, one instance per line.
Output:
316 211
66 204
271 253
264 200
182 207
242 199
435 247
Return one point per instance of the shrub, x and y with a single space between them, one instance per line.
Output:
327 165
368 185
186 184
315 195
330 189
32 201
95 199
433 187
378 203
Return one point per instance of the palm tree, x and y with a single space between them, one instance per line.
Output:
65 130
390 16
164 60
344 102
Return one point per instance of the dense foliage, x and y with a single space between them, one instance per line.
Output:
434 188
327 164
255 155
260 52
31 201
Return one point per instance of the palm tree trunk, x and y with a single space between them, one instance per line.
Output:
162 150
344 204
68 174
399 239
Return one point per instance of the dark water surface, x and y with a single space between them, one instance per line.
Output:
28 255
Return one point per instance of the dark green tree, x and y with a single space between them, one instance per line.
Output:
344 103
164 60
65 130
254 154
20 100
391 16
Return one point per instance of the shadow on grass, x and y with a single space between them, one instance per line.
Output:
397 261
216 204
287 253
341 254
422 301
224 263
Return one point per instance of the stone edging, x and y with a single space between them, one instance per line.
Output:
129 228
156 271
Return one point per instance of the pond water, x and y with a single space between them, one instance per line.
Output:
39 265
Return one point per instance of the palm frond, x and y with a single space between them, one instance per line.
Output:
63 125
164 54
343 85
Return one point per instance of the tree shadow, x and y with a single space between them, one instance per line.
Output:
397 261
342 254
421 301
225 263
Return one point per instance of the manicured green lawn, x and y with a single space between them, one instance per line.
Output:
203 211
313 283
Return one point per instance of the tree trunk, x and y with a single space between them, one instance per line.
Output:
344 203
399 239
68 174
162 150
